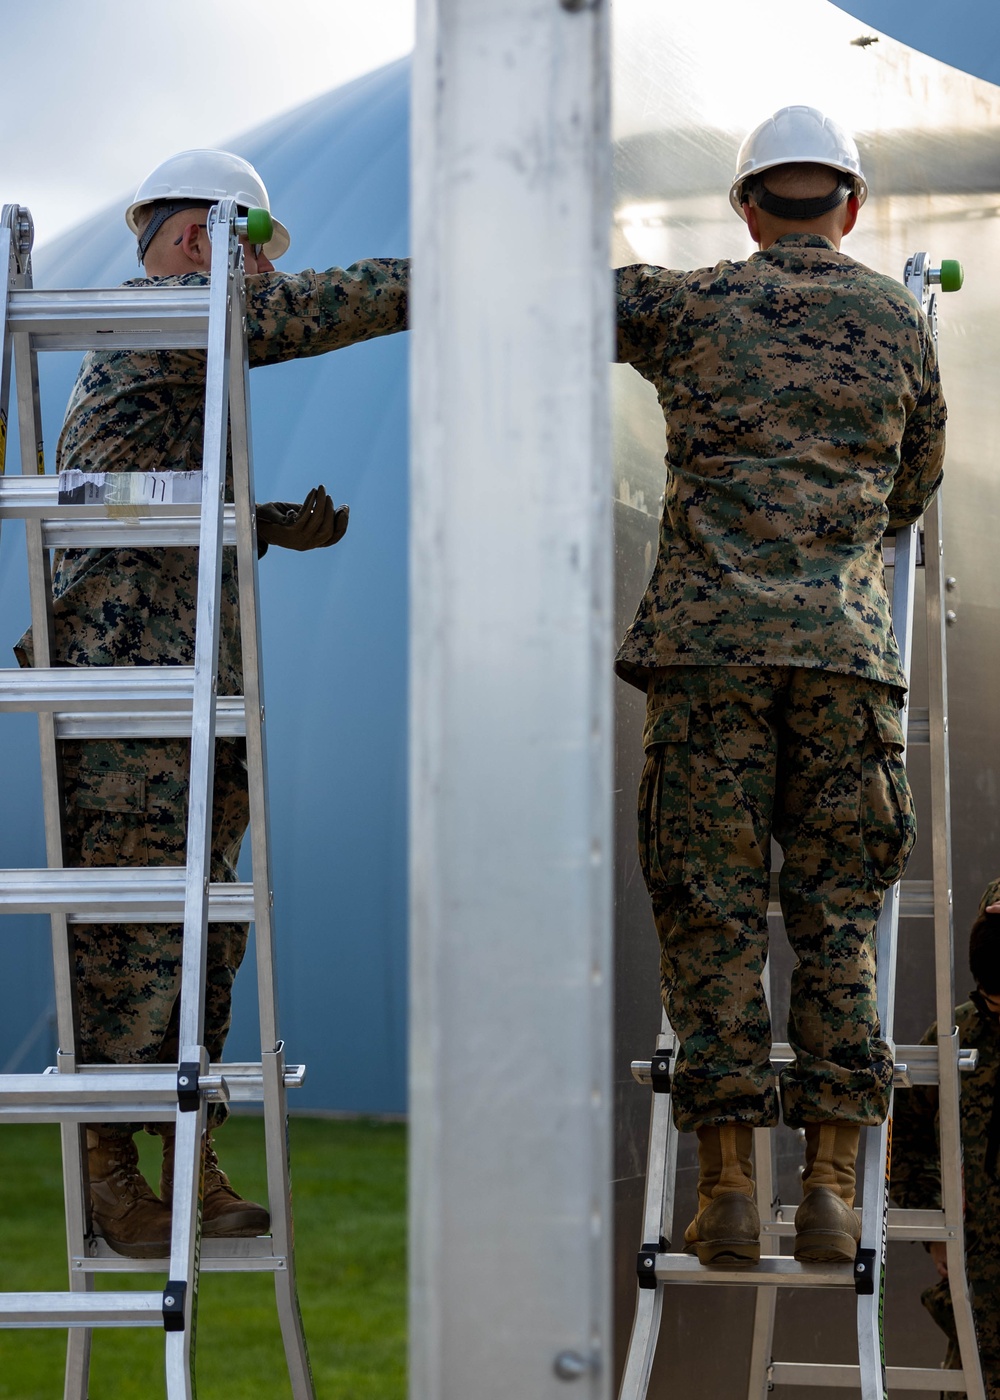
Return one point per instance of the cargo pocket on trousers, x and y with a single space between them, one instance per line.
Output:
664 798
888 824
106 818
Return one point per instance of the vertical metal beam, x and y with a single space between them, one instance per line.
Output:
511 722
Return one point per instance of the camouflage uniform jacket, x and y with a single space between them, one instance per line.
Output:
804 418
144 411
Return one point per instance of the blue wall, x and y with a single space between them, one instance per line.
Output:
335 623
964 33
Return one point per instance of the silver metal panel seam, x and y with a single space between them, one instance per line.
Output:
511 714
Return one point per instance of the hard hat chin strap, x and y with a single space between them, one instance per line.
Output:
161 213
783 208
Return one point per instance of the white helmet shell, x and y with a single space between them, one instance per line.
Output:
797 135
211 176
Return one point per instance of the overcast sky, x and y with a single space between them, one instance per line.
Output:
96 92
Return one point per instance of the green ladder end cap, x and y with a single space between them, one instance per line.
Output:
260 228
952 275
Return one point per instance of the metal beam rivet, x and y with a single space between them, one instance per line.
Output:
570 1366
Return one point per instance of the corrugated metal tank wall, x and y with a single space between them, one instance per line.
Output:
929 137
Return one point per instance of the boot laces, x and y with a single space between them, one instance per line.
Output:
215 1178
127 1181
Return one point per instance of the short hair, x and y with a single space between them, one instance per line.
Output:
802 179
984 953
150 218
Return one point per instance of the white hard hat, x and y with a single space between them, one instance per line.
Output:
205 177
793 136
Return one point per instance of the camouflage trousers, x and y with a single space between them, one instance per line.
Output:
937 1301
983 1271
125 803
734 756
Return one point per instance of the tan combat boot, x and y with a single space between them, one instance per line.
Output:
122 1205
726 1231
827 1229
224 1214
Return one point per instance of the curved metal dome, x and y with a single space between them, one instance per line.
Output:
335 622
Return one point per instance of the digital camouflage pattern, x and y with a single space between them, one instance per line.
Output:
126 804
804 417
144 411
735 755
916 1178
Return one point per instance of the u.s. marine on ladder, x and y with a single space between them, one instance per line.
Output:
805 419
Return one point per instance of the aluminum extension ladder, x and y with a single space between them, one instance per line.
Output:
914 1064
146 701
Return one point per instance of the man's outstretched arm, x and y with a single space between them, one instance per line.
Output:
310 313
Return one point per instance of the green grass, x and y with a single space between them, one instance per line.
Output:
350 1226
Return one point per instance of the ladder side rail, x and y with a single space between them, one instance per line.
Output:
949 1090
225 250
29 417
13 234
657 1225
919 278
253 683
185 1243
40 597
272 1049
874 1218
180 1294
841 1377
766 1299
903 599
280 1201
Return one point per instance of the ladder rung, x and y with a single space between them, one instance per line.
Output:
117 895
37 498
111 318
97 688
915 1064
153 525
81 1309
125 1093
918 1224
102 702
141 532
230 722
842 1377
916 899
774 1269
918 726
903 1225
116 1096
221 1256
244 1079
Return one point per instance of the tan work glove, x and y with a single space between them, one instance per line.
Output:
315 524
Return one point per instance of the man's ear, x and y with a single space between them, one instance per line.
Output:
851 214
195 246
752 222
